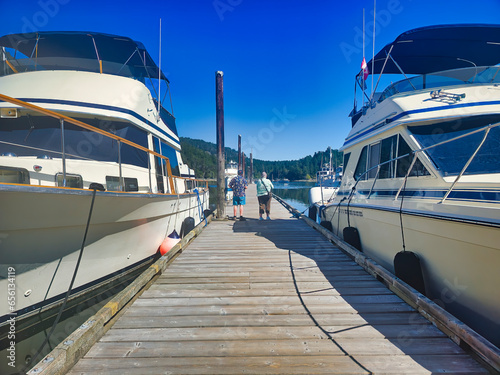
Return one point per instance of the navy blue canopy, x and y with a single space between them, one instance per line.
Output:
117 51
443 47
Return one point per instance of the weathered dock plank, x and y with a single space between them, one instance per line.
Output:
271 297
305 364
291 347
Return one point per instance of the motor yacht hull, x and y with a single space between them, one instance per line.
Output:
459 256
421 169
40 250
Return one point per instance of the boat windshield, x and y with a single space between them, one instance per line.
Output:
451 157
455 77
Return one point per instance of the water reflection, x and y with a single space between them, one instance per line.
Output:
30 335
295 193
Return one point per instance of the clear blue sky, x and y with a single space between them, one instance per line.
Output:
289 65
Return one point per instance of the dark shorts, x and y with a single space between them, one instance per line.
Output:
264 204
238 201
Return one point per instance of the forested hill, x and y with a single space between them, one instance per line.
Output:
202 157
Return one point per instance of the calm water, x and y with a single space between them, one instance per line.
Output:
295 193
28 340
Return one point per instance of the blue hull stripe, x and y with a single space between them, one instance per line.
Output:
421 110
431 215
106 107
484 196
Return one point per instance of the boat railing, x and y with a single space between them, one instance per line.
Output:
176 184
191 184
454 77
414 155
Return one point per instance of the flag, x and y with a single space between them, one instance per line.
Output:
364 69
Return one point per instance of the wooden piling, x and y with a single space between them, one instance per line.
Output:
221 157
251 169
239 152
243 164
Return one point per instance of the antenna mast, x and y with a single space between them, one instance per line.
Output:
159 79
363 73
373 58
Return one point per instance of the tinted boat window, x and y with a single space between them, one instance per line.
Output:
72 180
346 160
171 154
37 136
385 153
374 159
451 157
404 163
388 152
129 184
361 167
14 175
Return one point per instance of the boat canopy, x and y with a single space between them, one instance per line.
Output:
78 50
437 48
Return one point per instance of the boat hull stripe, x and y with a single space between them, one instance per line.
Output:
486 223
484 196
421 110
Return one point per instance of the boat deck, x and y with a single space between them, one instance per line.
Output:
270 297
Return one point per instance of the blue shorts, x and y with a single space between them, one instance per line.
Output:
238 201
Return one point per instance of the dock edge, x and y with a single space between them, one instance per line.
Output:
65 355
455 329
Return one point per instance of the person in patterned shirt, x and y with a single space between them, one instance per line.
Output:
238 184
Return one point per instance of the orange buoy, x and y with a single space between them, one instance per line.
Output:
169 242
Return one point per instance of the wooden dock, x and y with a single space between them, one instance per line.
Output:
271 297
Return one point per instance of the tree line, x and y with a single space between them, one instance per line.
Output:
202 157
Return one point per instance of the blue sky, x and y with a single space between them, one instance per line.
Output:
289 65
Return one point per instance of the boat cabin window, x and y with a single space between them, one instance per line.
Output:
171 154
451 157
14 175
404 163
129 184
386 155
161 164
373 160
359 173
72 180
41 136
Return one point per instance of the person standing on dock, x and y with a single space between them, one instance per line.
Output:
238 184
264 195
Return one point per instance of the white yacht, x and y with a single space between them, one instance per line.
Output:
84 136
230 172
422 169
328 181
